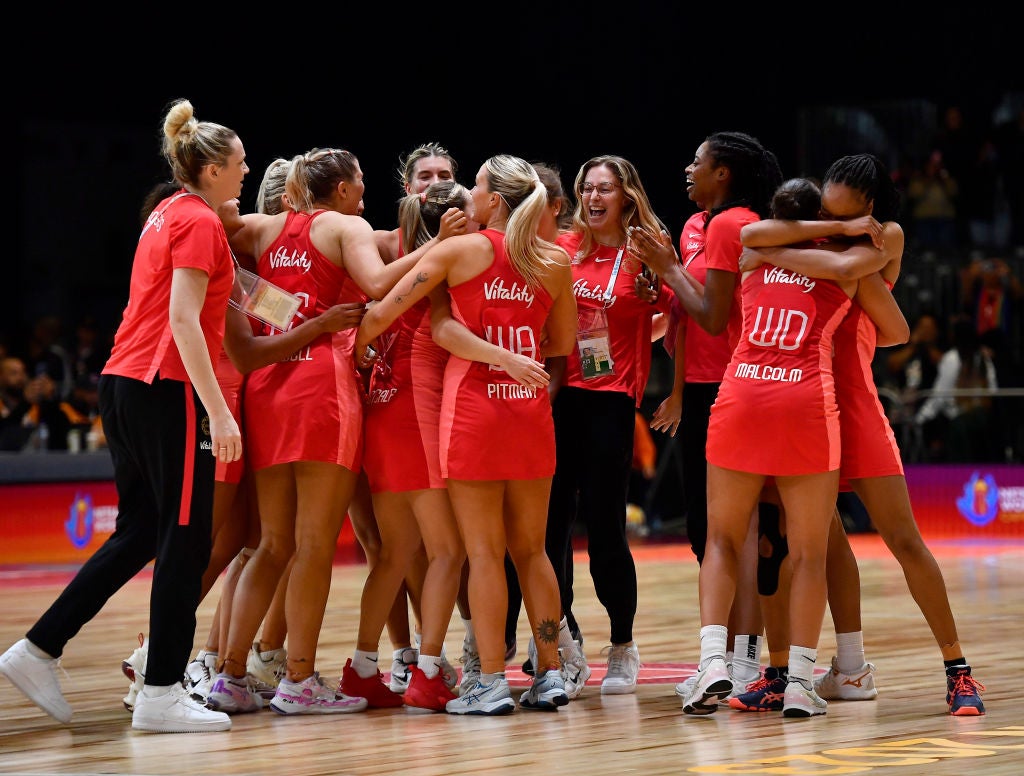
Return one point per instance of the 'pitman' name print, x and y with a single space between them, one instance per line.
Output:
510 391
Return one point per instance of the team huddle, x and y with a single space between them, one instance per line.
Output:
464 388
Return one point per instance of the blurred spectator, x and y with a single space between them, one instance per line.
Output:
958 428
46 355
25 404
89 354
913 367
982 203
1010 142
958 147
932 196
991 296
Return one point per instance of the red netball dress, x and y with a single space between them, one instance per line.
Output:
404 408
776 411
493 428
308 407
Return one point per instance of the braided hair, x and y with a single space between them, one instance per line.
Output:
867 174
754 171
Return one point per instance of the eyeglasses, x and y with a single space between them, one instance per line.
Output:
600 188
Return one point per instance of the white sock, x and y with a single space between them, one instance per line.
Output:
801 665
155 691
746 658
430 665
565 638
470 636
364 663
712 644
850 651
35 651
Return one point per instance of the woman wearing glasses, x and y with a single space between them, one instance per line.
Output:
602 385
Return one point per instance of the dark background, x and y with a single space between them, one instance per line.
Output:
554 83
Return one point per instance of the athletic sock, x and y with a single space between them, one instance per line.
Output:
850 651
364 663
712 644
801 665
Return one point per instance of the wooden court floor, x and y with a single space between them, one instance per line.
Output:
905 731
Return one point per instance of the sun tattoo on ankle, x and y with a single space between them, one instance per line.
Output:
547 631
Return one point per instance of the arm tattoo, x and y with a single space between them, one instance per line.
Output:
421 277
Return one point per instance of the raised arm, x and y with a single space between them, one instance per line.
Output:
834 262
364 262
708 305
412 286
775 232
875 298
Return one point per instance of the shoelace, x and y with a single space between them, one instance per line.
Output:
965 684
616 659
760 684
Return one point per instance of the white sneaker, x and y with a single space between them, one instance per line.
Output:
838 686
176 712
575 670
801 702
200 674
312 696
134 667
470 669
739 686
623 669
37 678
234 695
685 687
708 688
401 668
449 672
269 667
484 700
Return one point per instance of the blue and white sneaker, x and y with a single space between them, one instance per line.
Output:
484 699
546 693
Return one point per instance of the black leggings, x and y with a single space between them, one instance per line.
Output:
159 441
594 457
693 432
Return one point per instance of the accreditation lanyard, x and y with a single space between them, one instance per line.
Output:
159 215
615 273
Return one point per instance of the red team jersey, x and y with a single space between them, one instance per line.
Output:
493 428
869 445
308 407
776 411
722 251
629 317
705 355
181 232
404 409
